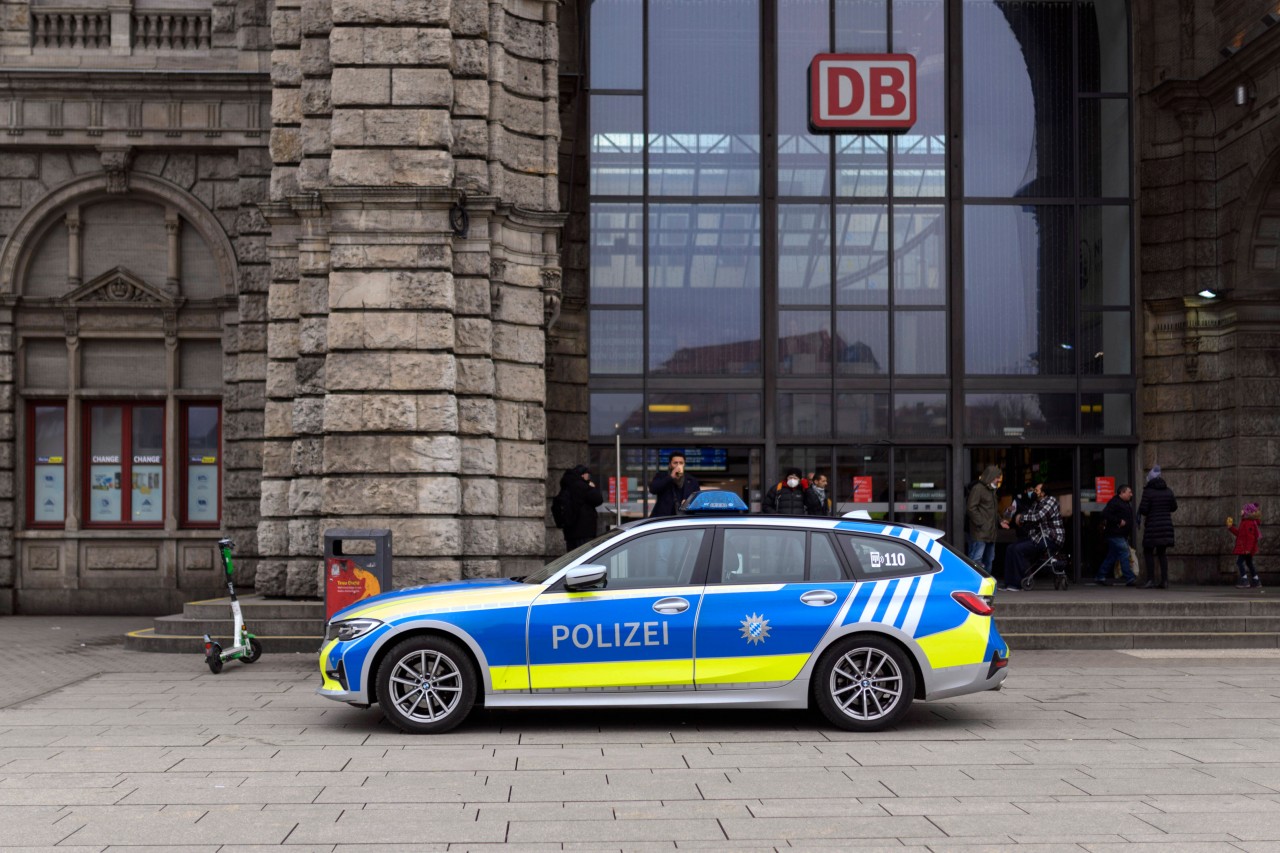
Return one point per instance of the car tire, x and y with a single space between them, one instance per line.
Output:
426 685
864 683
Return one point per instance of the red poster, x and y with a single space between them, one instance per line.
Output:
613 489
862 490
345 584
1106 487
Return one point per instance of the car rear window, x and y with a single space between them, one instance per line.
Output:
883 557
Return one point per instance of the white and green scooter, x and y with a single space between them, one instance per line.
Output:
246 648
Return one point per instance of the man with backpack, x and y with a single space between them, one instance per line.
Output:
574 508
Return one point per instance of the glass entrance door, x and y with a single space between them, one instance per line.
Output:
1023 468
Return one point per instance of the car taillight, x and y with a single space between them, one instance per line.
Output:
973 602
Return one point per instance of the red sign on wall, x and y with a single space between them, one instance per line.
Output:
613 489
872 92
1106 487
862 490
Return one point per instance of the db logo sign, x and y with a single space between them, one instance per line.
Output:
863 91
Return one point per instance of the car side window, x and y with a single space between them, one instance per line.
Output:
666 558
762 555
824 565
877 557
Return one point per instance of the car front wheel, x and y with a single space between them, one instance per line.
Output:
426 685
864 683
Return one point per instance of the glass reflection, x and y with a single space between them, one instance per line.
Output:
704 263
1104 46
862 26
617 31
804 415
1106 343
862 166
617 145
626 410
1104 255
704 123
1019 302
804 254
862 343
617 342
862 255
920 415
1018 93
919 255
1104 147
804 167
1106 414
617 250
859 415
701 414
804 343
919 342
919 167
1017 415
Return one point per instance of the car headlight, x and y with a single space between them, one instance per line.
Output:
350 629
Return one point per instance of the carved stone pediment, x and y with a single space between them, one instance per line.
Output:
119 288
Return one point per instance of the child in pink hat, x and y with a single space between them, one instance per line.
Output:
1247 536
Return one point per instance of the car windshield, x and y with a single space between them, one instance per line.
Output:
560 562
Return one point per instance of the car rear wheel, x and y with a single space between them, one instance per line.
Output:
864 683
426 685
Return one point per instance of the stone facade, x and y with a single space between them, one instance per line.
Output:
1208 151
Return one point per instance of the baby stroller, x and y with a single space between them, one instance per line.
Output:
1053 560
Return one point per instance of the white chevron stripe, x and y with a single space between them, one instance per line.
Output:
877 592
895 604
918 602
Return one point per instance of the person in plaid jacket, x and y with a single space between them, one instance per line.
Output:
1044 521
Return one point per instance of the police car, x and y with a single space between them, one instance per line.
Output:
706 609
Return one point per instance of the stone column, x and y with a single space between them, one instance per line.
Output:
8 414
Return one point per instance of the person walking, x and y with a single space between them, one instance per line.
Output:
983 515
792 496
671 487
1247 536
1045 534
574 508
1155 515
1117 517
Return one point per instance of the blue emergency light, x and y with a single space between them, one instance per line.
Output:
713 500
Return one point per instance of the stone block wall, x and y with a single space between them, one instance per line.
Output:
414 249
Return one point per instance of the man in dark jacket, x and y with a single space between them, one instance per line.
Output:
793 496
1157 509
671 487
1117 518
983 513
584 497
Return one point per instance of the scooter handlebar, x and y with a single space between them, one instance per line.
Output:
226 543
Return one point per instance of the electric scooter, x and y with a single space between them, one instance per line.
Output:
246 648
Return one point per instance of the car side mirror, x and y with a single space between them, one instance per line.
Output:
582 578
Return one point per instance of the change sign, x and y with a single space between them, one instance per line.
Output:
871 92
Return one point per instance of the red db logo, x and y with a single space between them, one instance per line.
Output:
863 91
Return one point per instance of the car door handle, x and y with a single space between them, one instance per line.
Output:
671 605
819 597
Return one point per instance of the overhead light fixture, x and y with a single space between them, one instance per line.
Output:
1208 293
1067 346
1245 93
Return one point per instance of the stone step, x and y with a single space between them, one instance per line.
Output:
147 640
1137 624
255 607
1180 640
1007 604
184 626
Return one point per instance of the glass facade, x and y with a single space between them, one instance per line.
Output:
870 305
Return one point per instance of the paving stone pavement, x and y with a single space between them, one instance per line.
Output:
103 749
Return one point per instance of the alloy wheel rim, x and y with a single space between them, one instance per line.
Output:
866 684
426 686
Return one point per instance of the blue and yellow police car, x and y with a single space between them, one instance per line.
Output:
708 609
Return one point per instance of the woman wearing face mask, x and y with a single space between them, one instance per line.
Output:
793 496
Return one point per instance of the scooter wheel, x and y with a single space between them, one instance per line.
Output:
255 651
214 659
